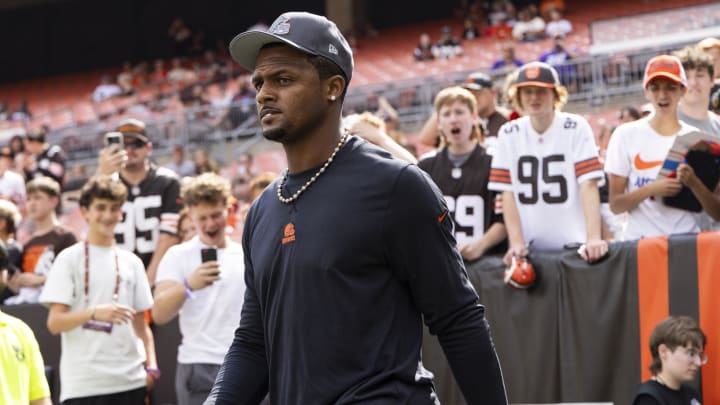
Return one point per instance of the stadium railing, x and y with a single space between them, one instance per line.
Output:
593 79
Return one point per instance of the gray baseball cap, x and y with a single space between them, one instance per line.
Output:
308 33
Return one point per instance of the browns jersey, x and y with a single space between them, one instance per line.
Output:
465 188
544 171
151 207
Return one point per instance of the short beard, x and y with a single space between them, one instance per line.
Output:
134 167
275 134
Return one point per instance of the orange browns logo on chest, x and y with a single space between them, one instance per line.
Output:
289 233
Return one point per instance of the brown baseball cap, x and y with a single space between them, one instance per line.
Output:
478 81
133 127
538 74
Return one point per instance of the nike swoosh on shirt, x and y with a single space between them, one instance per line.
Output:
644 165
442 216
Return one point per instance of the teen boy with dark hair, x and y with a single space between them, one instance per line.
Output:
49 238
676 345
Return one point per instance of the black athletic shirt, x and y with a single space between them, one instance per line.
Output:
337 286
653 393
470 202
151 207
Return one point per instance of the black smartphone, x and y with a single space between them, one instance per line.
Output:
114 138
208 255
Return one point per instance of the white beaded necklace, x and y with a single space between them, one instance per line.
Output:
295 196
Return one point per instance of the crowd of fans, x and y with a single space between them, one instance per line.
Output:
188 83
500 21
30 156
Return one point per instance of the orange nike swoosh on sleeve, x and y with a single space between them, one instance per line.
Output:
644 165
442 216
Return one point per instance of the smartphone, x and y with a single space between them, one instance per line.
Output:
114 138
208 255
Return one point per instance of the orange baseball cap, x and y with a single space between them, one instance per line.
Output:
666 66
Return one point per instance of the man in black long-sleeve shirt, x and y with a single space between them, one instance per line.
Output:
344 254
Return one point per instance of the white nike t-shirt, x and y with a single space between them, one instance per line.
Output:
637 152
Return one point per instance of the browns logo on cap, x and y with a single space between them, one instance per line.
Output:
537 74
532 72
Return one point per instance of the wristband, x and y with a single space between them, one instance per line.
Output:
154 373
188 291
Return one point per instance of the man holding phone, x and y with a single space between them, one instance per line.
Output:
201 280
149 225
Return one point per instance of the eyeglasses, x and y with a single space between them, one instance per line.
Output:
692 354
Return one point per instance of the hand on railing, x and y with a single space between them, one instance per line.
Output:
593 250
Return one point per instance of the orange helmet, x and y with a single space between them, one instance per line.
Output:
520 274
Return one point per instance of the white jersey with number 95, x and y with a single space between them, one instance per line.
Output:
151 207
544 173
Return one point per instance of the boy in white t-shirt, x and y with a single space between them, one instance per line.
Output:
206 292
636 153
546 166
96 294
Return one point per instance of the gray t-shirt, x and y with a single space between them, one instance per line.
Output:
710 125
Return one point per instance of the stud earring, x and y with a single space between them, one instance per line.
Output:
332 98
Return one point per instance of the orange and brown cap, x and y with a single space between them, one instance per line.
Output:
478 81
133 127
538 74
